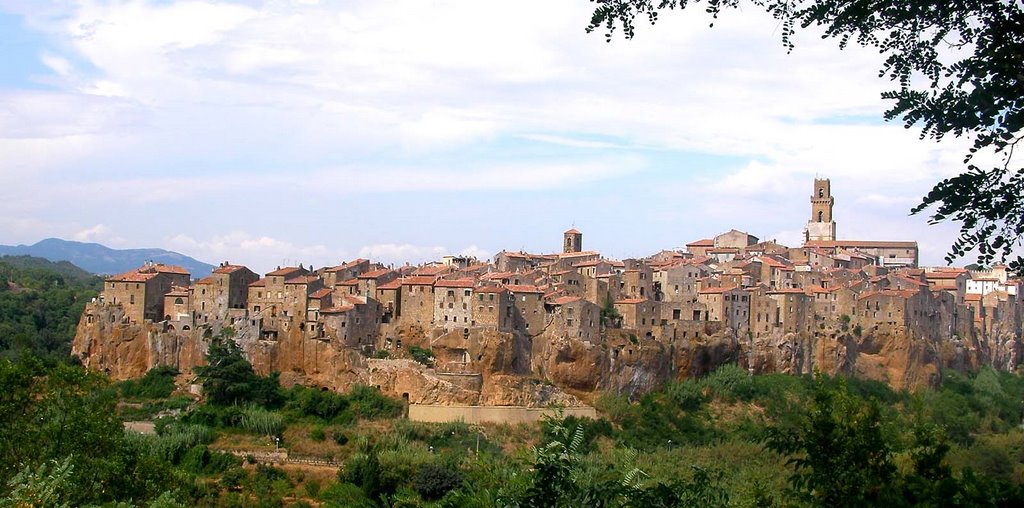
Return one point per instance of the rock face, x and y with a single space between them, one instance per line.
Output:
487 367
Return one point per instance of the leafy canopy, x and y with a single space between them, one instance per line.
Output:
959 67
228 378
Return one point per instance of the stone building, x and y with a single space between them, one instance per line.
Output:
453 304
573 317
494 308
572 241
417 300
821 227
528 308
140 292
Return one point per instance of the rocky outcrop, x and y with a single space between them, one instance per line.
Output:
487 367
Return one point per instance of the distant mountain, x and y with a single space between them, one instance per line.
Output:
103 260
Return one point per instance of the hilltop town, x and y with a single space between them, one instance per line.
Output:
531 329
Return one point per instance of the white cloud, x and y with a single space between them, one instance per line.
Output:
192 101
476 252
392 253
93 234
259 252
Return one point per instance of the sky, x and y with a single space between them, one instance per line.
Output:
285 132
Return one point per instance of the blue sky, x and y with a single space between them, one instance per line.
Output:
301 131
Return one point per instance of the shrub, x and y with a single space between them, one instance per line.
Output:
321 404
346 495
731 382
158 383
433 481
367 402
317 433
422 355
200 460
688 394
232 478
257 420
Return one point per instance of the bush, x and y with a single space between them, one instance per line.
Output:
689 394
731 383
367 402
433 481
345 495
320 404
158 383
422 355
317 433
200 460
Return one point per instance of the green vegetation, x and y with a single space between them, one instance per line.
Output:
228 378
40 305
422 355
728 439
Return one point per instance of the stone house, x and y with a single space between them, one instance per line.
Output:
529 308
453 304
794 310
573 317
417 300
494 308
140 292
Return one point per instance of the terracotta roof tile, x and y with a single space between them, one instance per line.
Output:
395 284
374 274
419 280
346 266
455 283
707 242
288 270
718 290
523 288
175 269
321 293
228 268
563 300
132 276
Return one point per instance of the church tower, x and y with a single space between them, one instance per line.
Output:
573 241
821 226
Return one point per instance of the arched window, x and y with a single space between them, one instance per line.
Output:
821 192
178 301
821 216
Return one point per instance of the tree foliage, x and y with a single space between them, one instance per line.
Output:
40 305
228 378
959 68
63 442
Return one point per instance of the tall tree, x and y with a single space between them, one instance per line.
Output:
959 66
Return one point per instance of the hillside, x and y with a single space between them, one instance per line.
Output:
40 304
100 259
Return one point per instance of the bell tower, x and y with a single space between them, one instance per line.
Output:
821 226
572 241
